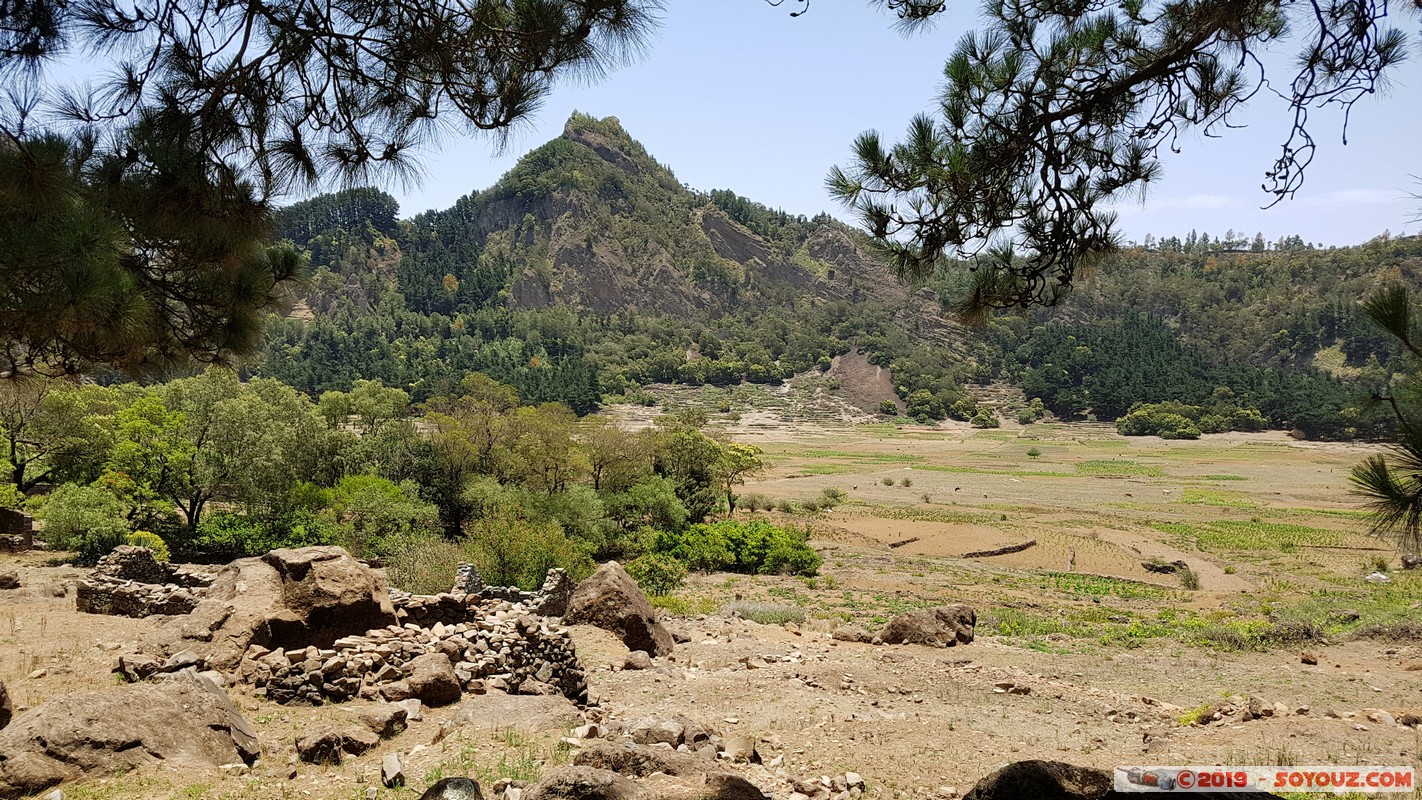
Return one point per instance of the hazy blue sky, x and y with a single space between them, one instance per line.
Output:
736 94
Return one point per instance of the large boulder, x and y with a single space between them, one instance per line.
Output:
177 722
7 708
432 681
583 783
454 789
944 626
1056 780
288 598
609 599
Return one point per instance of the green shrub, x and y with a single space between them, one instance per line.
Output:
764 613
888 481
906 482
152 541
754 502
657 574
1189 578
985 418
1033 452
1026 417
422 563
785 507
889 408
85 520
226 536
831 496
753 547
511 551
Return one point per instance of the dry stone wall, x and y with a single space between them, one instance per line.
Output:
503 647
130 582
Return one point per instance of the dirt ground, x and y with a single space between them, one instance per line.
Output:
1114 656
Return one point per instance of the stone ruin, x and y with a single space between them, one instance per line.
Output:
462 603
495 637
315 625
17 531
130 582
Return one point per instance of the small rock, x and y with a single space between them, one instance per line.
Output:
454 789
7 708
392 772
1382 718
320 748
589 731
637 659
9 579
853 780
385 719
1308 657
39 673
57 794
414 709
741 749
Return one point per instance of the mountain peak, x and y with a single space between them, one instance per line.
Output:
609 140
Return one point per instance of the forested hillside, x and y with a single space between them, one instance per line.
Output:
589 271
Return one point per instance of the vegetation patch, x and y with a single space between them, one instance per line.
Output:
1250 536
764 613
1118 468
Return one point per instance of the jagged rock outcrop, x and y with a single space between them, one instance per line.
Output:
609 599
303 597
177 722
944 626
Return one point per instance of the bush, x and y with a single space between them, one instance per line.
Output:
1033 452
511 551
985 418
422 563
888 481
1189 578
152 541
764 613
226 536
906 482
889 408
1026 417
657 574
85 520
831 496
754 502
754 547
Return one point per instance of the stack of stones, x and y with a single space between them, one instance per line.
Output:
504 648
551 599
130 582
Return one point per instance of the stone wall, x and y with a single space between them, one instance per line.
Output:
17 531
502 648
130 582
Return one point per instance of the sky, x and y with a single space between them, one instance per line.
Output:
737 94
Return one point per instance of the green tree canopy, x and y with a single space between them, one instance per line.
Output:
1053 110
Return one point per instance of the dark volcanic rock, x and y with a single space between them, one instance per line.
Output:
944 626
609 599
454 789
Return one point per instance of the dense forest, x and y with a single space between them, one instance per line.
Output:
589 272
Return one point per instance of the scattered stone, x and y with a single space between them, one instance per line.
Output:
385 719
1409 718
638 760
944 626
589 731
637 659
359 741
7 708
414 709
741 749
1307 657
432 680
582 783
1382 718
182 722
1008 687
851 633
454 789
655 731
322 748
1165 568
392 772
609 599
9 579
